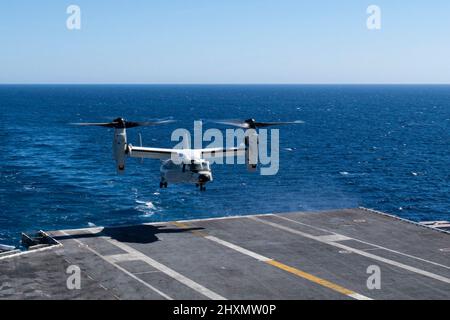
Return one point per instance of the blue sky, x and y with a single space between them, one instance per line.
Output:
226 41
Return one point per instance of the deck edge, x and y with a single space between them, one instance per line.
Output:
373 211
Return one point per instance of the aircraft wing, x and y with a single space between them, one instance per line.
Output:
152 153
223 152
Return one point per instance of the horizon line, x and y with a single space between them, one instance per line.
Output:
229 84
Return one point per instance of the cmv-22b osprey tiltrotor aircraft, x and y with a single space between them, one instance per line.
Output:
184 165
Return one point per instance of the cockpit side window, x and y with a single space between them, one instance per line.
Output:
199 166
195 167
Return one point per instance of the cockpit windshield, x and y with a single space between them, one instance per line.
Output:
199 166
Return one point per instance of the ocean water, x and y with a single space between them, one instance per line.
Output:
383 147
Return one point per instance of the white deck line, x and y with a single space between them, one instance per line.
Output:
238 248
120 268
24 253
368 243
122 257
134 254
402 219
171 273
358 296
262 258
360 252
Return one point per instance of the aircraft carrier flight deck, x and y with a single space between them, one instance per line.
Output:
338 254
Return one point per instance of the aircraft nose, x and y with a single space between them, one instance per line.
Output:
204 178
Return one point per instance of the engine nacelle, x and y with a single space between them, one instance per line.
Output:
120 148
251 150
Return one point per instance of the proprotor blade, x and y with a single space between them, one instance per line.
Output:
132 124
92 124
233 122
252 124
121 123
268 124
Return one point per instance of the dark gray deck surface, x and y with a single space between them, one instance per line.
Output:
317 255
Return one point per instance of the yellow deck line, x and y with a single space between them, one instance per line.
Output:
282 266
310 277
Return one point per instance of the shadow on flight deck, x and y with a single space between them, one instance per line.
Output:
130 234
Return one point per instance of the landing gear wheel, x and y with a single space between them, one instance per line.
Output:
163 184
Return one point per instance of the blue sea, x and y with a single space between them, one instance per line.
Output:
382 147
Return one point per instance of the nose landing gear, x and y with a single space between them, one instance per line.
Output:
163 184
201 186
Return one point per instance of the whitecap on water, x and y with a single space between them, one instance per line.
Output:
90 224
344 173
146 207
